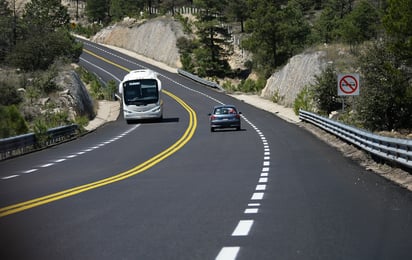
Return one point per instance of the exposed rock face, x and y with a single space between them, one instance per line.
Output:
74 96
294 76
155 39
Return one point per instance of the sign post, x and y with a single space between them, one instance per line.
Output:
348 85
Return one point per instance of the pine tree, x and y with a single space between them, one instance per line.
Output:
6 29
44 16
275 33
211 56
398 23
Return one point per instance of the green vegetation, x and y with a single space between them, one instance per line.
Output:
35 44
277 32
386 100
304 100
325 91
252 86
86 30
98 90
378 34
40 36
11 122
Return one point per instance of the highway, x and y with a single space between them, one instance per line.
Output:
175 190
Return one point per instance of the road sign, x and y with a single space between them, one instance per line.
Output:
348 84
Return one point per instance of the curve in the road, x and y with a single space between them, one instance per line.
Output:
185 138
244 226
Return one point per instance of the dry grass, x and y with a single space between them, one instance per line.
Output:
341 55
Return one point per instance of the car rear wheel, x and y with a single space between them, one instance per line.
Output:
212 129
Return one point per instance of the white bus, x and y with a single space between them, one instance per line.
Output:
141 92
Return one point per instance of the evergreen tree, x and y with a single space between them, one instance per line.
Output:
325 91
326 25
385 102
398 23
341 7
121 8
97 10
170 5
12 122
211 56
44 16
237 11
45 36
293 30
275 33
361 24
6 29
263 34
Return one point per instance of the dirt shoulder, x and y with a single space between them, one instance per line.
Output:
390 172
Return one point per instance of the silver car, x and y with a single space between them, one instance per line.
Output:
224 116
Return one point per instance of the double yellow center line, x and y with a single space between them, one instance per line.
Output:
185 138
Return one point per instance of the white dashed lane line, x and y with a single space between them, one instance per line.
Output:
10 177
244 226
30 171
71 156
228 253
261 187
251 211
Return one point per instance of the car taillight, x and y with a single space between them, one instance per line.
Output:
212 117
238 116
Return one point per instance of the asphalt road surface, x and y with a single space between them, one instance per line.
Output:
175 190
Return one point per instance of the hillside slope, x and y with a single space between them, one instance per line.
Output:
155 39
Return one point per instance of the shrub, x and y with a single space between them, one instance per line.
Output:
8 94
228 86
12 122
253 86
40 51
304 100
325 91
40 131
88 30
385 101
110 90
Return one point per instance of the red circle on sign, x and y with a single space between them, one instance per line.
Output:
352 89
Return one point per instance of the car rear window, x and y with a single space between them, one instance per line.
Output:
225 111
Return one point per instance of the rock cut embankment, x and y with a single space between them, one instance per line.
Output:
155 39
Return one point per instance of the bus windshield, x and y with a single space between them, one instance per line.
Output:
140 92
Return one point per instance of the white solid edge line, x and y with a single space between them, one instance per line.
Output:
228 253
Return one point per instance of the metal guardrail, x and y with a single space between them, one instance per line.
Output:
18 145
392 149
199 79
